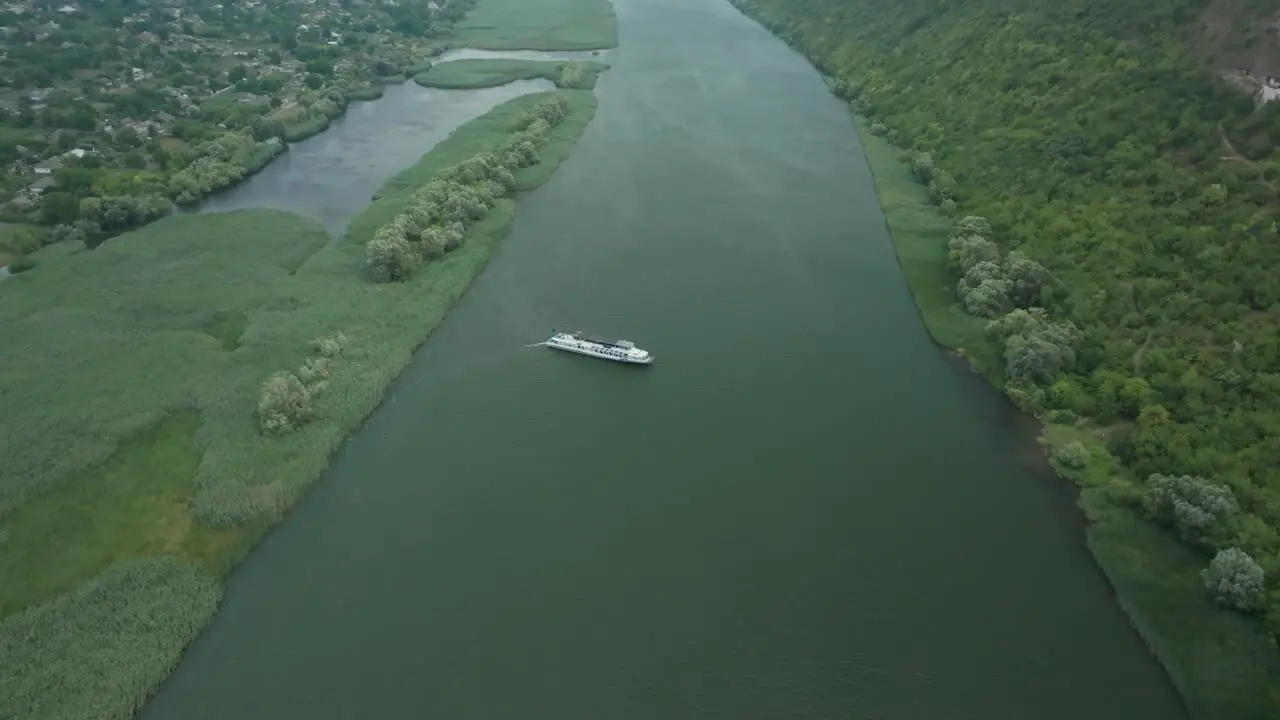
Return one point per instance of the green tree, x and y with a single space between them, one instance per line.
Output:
59 208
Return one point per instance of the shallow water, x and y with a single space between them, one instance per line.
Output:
332 176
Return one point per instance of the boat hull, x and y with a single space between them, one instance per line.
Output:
582 348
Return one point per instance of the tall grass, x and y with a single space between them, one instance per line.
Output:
919 232
483 73
544 25
101 345
96 653
151 351
1220 663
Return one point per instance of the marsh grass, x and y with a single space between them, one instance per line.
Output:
1222 666
56 666
483 73
102 344
128 414
546 25
227 328
919 232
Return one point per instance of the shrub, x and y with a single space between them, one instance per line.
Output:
989 299
1235 580
314 372
285 404
389 257
1192 505
973 225
1072 455
965 251
330 346
572 75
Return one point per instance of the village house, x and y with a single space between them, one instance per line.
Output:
39 186
1270 89
46 167
53 164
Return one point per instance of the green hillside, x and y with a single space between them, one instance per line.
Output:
1100 139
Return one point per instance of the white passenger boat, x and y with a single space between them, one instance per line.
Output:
617 350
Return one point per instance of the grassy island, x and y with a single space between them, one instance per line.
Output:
473 74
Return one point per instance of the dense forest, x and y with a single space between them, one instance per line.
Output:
1100 141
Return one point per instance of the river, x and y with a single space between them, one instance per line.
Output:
802 509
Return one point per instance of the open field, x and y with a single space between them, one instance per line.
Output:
135 474
544 25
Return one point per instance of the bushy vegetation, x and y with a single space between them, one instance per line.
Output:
1235 580
285 403
123 211
304 120
132 388
435 218
1070 456
577 75
220 163
1127 275
482 73
17 241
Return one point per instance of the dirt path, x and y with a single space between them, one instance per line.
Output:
1234 155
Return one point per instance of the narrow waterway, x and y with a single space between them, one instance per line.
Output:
803 509
541 55
332 176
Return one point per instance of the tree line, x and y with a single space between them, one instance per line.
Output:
435 219
432 223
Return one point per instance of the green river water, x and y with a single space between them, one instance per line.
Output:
802 509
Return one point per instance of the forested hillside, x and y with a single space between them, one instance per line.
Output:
1100 139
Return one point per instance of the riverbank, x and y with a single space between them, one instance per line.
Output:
1224 665
476 74
169 488
1220 662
